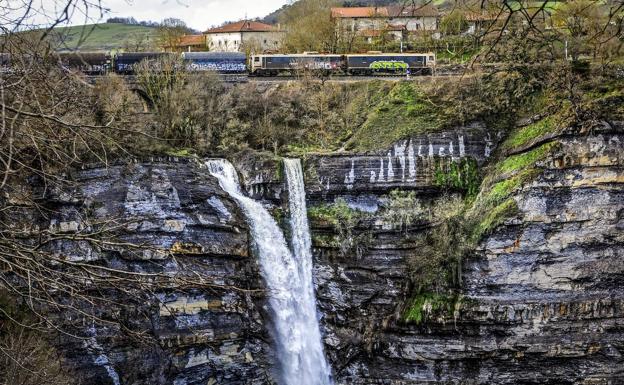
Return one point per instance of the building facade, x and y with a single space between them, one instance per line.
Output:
395 20
237 37
189 43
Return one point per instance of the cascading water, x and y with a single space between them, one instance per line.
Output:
287 275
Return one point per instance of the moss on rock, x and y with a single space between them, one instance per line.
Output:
427 305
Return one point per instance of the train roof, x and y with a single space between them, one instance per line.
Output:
215 55
391 54
141 55
82 55
297 55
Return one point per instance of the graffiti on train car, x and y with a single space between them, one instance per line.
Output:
125 67
311 65
216 66
391 65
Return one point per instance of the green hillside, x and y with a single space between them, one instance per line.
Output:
105 37
273 17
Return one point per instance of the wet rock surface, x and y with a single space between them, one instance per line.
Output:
542 299
188 228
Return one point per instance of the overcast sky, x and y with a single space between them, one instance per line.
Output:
198 14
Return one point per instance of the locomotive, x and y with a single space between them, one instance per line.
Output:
235 63
351 64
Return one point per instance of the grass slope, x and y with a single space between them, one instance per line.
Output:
104 37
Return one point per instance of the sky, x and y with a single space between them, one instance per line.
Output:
198 14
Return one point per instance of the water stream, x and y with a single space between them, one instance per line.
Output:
288 276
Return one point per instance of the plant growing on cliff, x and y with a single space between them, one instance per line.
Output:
403 208
437 264
424 306
462 175
345 221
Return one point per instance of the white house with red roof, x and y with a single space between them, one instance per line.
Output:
234 37
393 20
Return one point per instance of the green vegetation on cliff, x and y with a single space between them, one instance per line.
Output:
425 306
526 135
462 175
406 110
345 222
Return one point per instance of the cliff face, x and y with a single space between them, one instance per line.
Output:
187 228
541 299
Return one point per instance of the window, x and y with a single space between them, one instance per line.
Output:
257 58
265 41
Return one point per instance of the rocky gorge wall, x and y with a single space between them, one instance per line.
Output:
541 299
207 330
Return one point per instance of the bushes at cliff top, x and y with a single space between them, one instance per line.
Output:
202 114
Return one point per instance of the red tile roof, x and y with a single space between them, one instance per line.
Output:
427 10
343 12
243 26
187 40
483 16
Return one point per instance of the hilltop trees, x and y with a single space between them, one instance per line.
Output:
309 26
581 27
170 31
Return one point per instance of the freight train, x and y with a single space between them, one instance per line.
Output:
100 63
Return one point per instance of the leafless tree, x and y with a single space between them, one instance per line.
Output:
48 126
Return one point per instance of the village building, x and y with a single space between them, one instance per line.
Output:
395 21
478 21
189 43
234 37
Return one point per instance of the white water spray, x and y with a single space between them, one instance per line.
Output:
287 275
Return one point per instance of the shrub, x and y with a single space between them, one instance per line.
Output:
436 265
403 208
462 175
185 105
345 221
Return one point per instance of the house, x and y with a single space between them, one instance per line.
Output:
392 32
397 20
478 21
189 43
234 37
415 18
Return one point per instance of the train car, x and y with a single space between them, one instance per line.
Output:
273 65
90 63
126 62
390 63
220 62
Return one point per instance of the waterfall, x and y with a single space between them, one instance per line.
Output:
288 276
